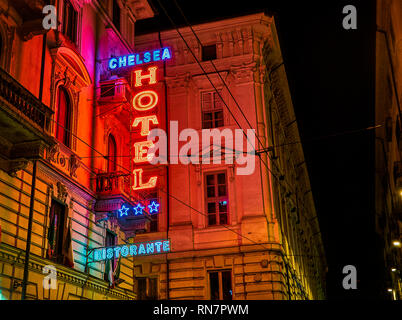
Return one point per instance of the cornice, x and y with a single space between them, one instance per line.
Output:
36 264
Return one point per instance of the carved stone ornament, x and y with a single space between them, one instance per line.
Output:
13 166
74 164
61 192
51 153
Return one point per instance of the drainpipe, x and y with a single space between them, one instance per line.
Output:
33 183
42 68
28 247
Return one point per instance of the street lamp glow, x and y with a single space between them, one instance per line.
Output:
396 243
389 290
393 269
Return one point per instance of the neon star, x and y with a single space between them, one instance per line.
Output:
153 207
138 209
123 211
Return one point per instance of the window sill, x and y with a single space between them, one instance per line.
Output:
208 229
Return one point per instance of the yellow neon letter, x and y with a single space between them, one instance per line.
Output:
137 100
138 185
140 151
145 123
151 76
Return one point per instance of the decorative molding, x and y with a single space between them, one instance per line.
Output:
64 159
14 257
13 166
61 191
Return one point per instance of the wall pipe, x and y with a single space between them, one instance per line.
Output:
33 183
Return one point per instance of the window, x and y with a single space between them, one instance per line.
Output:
116 15
110 241
130 31
209 52
147 288
212 110
220 283
70 21
216 199
150 196
112 154
107 90
64 114
153 227
56 232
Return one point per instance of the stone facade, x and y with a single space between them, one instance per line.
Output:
271 244
66 172
388 147
268 248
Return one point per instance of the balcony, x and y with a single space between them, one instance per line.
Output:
112 191
24 102
114 183
114 98
24 122
30 12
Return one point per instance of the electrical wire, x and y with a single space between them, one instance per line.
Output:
85 143
196 59
282 176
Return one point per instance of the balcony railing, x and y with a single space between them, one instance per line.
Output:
24 101
112 183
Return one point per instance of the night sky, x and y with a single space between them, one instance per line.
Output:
331 77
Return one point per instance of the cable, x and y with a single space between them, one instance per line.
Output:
196 59
95 150
223 81
124 168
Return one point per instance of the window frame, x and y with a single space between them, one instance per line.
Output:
61 223
216 199
112 15
146 295
114 261
68 123
220 283
213 109
209 56
148 195
111 159
76 22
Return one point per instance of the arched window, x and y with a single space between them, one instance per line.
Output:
64 114
112 152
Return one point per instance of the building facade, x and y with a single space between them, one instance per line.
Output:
50 148
76 108
388 147
232 236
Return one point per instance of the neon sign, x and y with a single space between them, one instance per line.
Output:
138 210
144 101
137 59
131 250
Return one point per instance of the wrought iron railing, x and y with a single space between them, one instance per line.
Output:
24 101
112 183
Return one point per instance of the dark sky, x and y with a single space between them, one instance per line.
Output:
331 78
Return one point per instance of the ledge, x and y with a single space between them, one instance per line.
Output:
16 256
